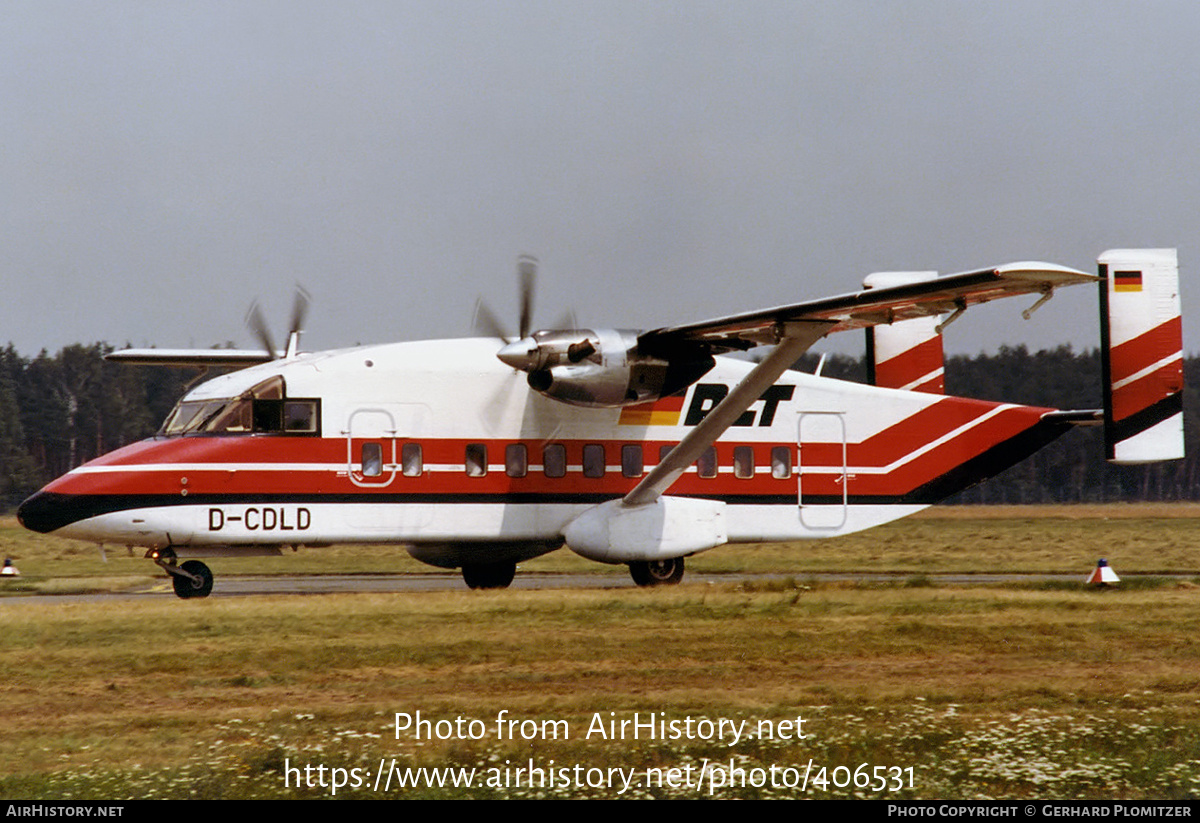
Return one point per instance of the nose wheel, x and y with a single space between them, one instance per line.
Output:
190 578
198 583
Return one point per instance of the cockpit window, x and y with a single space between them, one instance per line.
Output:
190 415
264 408
300 416
234 416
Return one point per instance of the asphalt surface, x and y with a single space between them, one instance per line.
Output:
245 586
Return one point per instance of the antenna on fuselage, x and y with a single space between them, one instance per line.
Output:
820 365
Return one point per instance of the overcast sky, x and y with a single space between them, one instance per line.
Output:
165 163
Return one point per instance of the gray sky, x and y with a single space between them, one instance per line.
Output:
165 163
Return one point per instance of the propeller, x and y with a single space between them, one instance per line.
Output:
257 323
527 273
489 325
300 304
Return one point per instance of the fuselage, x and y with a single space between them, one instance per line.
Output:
439 445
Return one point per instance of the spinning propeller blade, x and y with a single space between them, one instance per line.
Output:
527 271
257 323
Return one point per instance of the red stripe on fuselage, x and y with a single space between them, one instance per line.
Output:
319 465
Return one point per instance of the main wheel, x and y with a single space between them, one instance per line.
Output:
489 575
657 572
186 588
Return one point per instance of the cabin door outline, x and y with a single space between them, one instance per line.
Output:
371 447
825 428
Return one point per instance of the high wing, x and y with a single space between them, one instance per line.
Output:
795 328
201 358
870 307
205 359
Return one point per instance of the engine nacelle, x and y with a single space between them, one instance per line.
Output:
601 368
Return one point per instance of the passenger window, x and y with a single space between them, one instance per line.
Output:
593 460
663 451
476 460
554 460
412 462
743 462
706 465
372 459
631 460
781 462
516 460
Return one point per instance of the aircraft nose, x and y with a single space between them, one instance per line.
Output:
43 512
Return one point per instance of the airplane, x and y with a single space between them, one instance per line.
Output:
635 448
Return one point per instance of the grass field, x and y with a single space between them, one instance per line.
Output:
906 690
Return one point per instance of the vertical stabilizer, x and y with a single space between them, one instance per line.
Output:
1142 349
908 354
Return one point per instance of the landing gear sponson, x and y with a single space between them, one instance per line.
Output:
190 578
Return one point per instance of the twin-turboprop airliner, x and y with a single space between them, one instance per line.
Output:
636 448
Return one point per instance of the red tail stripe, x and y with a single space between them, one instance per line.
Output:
935 385
1128 358
1146 391
912 364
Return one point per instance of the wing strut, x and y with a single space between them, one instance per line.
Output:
795 340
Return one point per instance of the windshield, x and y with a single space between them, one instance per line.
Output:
229 415
260 409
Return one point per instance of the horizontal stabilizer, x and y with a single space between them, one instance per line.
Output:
1076 417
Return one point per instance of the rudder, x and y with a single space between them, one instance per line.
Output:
1141 334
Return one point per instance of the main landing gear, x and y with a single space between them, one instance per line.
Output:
657 572
489 575
190 578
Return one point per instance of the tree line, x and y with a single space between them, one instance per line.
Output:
58 411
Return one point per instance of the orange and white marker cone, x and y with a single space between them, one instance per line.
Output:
1103 575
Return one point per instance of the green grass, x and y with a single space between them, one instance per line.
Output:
983 691
1015 691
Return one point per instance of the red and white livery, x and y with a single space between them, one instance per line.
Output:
1142 343
906 355
637 448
